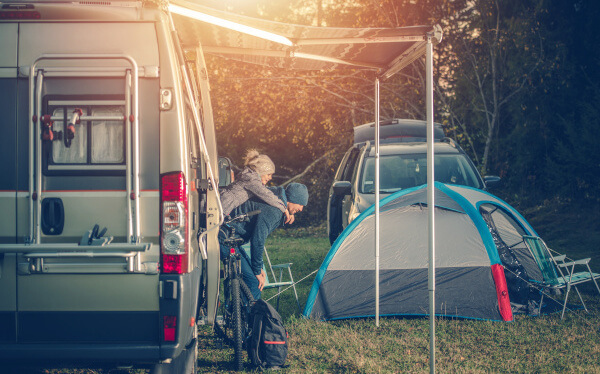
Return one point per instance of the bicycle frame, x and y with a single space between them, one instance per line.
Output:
235 312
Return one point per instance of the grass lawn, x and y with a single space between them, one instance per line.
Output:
527 345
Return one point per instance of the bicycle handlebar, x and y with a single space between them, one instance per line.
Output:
243 217
253 213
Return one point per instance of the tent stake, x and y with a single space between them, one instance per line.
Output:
430 201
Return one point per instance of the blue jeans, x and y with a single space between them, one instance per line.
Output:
247 273
249 277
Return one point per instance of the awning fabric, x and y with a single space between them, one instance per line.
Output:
384 50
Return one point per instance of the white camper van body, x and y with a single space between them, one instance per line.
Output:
99 131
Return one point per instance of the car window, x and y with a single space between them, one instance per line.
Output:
398 172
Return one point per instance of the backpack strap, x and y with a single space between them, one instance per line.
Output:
254 344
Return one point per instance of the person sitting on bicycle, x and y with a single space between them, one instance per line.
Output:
259 227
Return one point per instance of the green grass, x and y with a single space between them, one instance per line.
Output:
527 345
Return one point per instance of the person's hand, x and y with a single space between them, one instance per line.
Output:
291 219
262 278
288 216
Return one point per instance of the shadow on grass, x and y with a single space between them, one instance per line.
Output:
214 355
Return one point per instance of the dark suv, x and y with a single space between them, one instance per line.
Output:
403 164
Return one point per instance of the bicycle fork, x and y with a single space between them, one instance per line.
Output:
235 264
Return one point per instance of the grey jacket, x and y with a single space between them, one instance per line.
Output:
246 186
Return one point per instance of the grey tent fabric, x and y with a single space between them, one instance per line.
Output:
394 249
419 196
470 278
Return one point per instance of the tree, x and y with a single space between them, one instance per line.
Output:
493 56
512 86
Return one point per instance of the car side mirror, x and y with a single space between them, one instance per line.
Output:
342 188
492 181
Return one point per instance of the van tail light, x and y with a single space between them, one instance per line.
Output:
174 242
169 328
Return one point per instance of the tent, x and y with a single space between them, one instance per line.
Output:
481 259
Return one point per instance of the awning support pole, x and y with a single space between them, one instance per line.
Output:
430 201
377 202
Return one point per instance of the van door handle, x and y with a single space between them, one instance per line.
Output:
53 216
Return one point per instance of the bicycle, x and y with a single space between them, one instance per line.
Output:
234 328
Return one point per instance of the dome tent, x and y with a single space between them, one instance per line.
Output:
477 236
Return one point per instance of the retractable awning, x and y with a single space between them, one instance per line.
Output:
288 46
386 51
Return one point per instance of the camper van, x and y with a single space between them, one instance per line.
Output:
107 194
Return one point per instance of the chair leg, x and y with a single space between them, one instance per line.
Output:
294 287
565 303
296 294
278 294
581 299
593 279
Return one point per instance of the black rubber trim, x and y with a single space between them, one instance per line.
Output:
92 327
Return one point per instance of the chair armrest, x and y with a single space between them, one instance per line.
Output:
583 261
282 266
560 258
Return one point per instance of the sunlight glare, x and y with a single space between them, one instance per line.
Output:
230 25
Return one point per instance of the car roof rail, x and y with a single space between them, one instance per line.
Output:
450 141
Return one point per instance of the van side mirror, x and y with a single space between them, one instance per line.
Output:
492 181
342 188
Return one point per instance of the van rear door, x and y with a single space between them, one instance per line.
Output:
88 116
8 178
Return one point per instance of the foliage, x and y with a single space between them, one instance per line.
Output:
514 85
297 117
279 115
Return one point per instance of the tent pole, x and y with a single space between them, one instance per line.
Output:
377 202
430 201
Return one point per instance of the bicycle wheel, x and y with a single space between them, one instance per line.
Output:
223 326
237 325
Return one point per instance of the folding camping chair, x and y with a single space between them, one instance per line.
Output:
559 274
278 279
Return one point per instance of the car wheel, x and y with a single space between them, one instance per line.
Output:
185 363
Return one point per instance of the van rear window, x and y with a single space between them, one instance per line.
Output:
98 144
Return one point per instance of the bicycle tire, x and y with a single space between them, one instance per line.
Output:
224 329
237 328
246 290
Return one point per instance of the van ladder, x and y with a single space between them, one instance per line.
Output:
33 249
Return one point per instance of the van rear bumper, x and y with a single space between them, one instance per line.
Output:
38 353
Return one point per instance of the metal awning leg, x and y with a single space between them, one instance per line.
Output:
430 200
377 202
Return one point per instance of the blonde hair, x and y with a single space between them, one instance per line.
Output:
262 164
